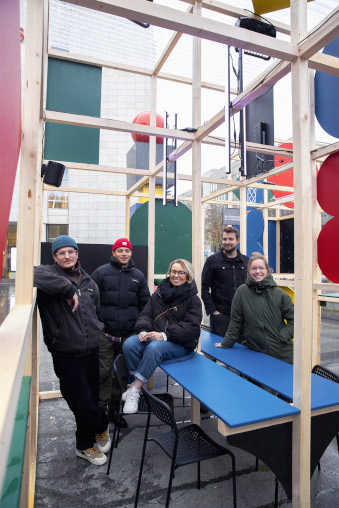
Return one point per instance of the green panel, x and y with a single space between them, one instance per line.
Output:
10 496
173 232
71 143
73 88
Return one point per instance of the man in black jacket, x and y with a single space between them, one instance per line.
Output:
68 302
123 294
222 274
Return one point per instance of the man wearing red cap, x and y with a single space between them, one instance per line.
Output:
123 295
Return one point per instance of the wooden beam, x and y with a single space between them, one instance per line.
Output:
97 62
324 63
194 25
236 12
80 166
87 190
114 125
325 151
303 323
321 35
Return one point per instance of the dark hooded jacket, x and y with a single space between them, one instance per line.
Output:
67 333
179 317
267 314
123 295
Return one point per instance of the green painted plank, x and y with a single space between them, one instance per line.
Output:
10 496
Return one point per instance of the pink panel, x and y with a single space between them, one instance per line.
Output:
10 107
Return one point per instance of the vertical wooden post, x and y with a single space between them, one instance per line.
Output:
265 234
277 240
243 221
302 261
316 227
151 198
197 239
31 149
127 216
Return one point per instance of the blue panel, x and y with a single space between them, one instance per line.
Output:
255 229
326 93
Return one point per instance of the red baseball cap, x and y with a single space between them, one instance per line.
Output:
122 242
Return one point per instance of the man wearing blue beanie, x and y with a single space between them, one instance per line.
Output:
69 301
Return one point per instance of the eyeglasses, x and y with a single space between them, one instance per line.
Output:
62 253
174 272
260 268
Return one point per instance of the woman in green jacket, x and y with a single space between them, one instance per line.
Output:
265 311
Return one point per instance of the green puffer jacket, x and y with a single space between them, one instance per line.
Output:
261 307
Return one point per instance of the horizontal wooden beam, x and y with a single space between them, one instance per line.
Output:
107 64
80 166
52 394
82 190
114 125
325 150
321 35
324 63
193 24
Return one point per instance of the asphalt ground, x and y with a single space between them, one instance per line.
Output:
64 480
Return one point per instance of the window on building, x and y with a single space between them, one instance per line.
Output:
57 199
55 230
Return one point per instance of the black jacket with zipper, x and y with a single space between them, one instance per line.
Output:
221 277
67 333
123 295
180 319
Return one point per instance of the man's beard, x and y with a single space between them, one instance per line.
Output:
229 249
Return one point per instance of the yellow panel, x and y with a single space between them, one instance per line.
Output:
264 6
145 190
289 291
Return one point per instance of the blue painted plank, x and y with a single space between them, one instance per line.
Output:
231 398
270 372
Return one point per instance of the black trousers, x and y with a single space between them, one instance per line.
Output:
79 385
219 324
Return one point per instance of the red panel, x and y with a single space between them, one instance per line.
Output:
328 240
328 185
10 107
285 178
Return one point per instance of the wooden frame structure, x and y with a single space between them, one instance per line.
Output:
19 350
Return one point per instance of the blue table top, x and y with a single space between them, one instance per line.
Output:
268 371
231 398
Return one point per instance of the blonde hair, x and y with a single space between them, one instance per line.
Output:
254 257
186 266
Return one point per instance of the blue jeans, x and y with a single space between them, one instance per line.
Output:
143 358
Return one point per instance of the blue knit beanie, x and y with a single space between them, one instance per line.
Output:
63 241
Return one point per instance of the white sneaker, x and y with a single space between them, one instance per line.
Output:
132 401
92 455
103 441
124 395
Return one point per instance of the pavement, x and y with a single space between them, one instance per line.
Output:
66 481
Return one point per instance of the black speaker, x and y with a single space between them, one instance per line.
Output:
53 173
255 25
260 129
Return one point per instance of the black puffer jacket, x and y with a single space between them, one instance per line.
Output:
67 333
180 319
221 277
123 295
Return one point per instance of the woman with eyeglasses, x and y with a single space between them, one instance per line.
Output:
265 311
168 327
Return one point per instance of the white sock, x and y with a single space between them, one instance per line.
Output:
133 389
